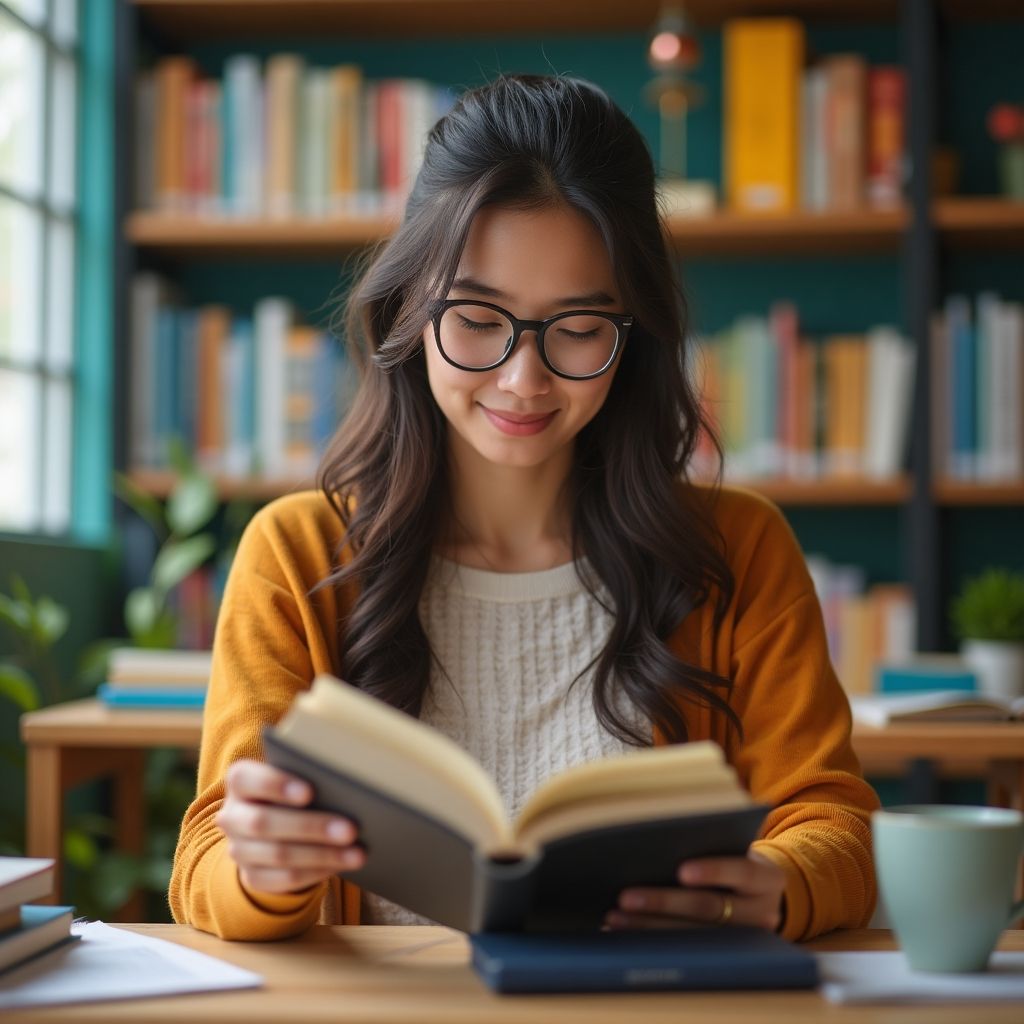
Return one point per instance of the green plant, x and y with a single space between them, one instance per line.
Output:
990 607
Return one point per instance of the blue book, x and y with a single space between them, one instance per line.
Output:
925 673
41 929
727 958
151 696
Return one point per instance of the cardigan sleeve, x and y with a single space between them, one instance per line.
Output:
795 754
268 645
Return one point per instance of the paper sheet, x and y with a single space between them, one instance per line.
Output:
111 963
886 978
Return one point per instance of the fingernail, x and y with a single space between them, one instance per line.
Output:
631 901
340 830
351 859
690 874
297 792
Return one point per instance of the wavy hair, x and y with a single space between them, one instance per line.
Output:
529 142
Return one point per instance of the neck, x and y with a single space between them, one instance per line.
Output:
508 518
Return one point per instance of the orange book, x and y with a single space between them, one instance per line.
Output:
886 126
845 130
283 79
301 349
763 65
344 131
213 330
855 657
845 369
173 81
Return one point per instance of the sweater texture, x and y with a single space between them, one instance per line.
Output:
273 637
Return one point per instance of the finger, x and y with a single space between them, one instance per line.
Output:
704 905
281 880
243 820
251 853
741 874
254 780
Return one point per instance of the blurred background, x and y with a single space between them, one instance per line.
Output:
186 189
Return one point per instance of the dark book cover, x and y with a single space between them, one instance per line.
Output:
569 884
726 958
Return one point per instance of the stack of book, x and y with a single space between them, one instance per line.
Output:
821 135
149 678
26 930
787 405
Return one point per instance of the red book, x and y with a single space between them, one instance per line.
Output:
887 105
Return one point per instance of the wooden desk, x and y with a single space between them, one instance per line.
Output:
75 742
413 975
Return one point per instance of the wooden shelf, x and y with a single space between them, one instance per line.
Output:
186 236
194 19
965 493
980 220
717 234
853 491
725 233
160 483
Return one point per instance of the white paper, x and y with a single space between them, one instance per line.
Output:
111 963
886 978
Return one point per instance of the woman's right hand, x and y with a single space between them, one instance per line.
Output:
279 845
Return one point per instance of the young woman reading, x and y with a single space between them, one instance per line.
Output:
506 543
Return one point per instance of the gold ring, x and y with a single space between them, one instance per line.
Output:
726 913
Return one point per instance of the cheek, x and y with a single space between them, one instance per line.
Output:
451 388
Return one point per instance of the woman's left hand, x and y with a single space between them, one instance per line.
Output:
713 890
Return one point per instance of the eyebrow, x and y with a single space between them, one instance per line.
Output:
595 298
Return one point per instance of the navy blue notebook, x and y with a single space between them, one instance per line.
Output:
727 958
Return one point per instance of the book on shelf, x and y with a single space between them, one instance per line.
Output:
152 698
977 389
250 395
789 405
27 930
439 838
163 667
880 709
697 958
826 136
282 139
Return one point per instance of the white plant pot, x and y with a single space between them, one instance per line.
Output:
999 665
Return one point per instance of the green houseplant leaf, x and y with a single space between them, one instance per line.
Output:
990 607
179 558
19 687
192 504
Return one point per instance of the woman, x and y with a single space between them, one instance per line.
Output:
505 543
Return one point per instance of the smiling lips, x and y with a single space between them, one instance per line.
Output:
518 424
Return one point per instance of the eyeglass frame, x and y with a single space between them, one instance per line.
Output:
622 322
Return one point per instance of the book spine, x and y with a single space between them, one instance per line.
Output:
501 893
886 130
763 62
846 130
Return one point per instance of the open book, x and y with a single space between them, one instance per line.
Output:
935 706
440 842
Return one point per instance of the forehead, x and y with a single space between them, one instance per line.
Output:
538 256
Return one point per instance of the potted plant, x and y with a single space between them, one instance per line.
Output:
988 618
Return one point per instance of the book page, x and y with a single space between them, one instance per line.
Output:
385 748
679 769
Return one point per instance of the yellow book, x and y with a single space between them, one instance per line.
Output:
283 80
440 840
344 130
763 63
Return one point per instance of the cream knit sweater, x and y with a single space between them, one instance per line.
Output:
511 645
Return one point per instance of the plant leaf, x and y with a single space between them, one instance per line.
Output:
179 457
19 687
80 849
179 558
51 621
16 614
141 609
19 588
192 504
142 503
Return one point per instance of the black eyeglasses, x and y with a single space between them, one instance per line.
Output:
576 345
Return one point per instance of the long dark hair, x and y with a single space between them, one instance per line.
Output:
528 142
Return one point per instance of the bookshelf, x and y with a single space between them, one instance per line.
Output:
913 237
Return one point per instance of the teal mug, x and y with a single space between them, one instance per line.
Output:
946 875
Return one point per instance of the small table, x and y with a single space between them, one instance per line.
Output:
421 975
84 739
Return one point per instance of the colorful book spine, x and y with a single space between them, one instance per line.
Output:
887 109
763 65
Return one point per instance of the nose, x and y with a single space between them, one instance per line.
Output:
524 374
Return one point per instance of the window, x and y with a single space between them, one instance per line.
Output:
38 221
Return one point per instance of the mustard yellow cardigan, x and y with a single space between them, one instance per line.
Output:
272 639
